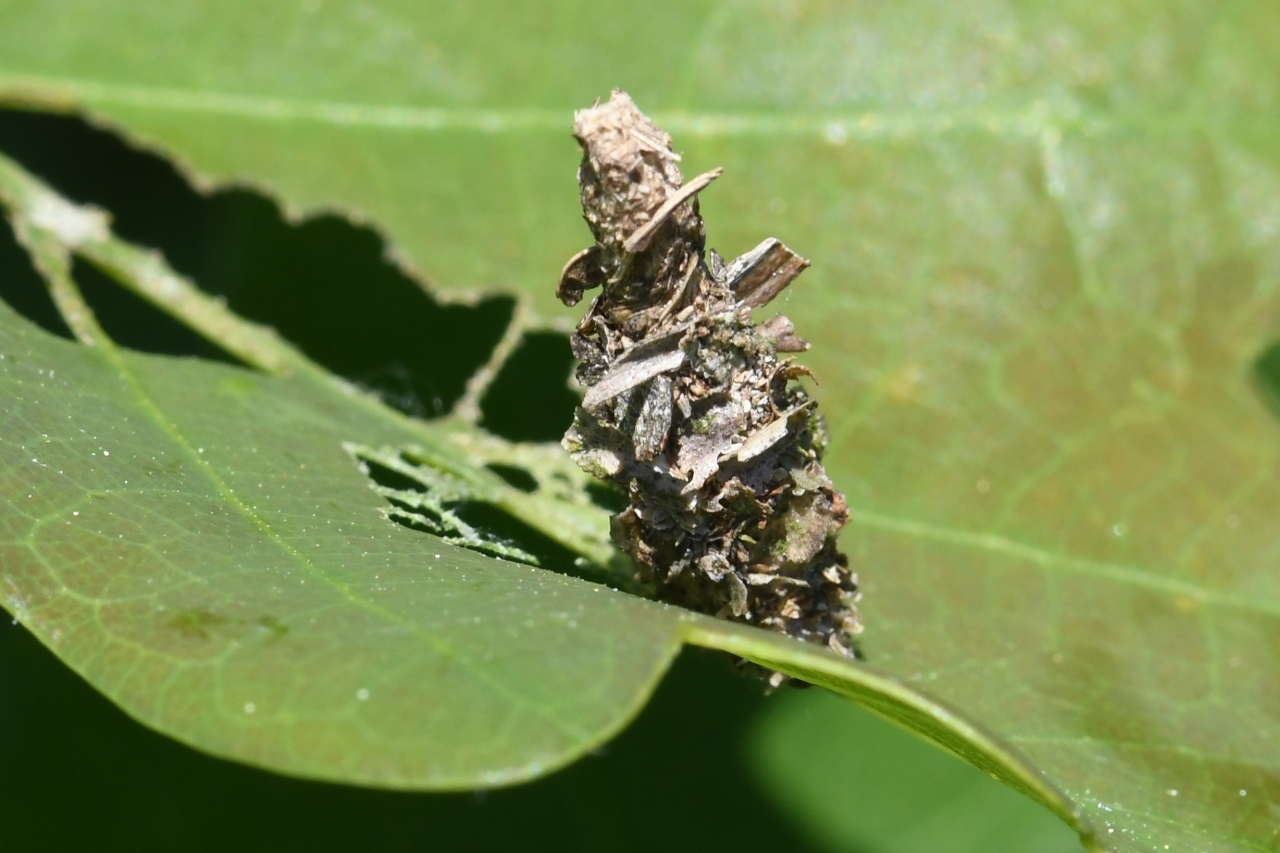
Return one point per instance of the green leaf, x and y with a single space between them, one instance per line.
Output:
194 540
856 784
1045 262
154 506
198 541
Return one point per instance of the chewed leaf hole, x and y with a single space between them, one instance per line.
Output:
530 399
365 319
132 322
388 479
22 289
492 509
435 502
507 528
466 511
1266 371
517 478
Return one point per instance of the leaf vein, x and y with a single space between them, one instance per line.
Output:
1115 572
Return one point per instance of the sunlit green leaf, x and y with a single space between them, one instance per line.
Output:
195 541
1045 258
226 494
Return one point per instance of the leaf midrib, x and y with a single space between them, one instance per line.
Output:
1030 122
1116 743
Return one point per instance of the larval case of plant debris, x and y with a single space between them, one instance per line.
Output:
691 407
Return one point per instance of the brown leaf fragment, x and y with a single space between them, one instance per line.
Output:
786 370
782 332
688 406
580 274
764 272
